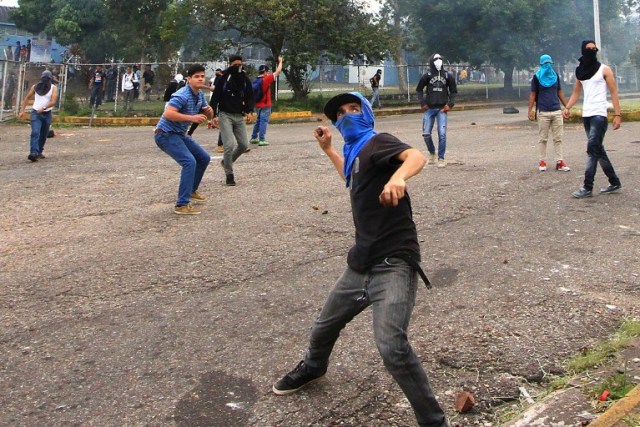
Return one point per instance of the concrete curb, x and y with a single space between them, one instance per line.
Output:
619 409
297 116
152 121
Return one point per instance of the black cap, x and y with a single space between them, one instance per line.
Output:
263 68
331 108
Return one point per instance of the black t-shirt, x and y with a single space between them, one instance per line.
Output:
380 232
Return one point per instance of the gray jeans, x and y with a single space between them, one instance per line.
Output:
390 288
234 138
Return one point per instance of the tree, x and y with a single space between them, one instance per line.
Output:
302 30
398 14
511 33
104 29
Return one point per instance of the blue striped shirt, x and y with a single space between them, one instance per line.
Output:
186 102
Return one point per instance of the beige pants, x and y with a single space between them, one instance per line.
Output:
550 120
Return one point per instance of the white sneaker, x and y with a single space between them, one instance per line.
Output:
442 163
432 159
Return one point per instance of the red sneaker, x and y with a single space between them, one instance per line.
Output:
562 166
542 166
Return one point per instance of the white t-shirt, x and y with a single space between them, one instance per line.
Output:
41 100
595 95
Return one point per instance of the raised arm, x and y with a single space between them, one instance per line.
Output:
278 69
412 163
323 136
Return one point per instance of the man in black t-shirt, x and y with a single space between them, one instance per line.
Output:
382 265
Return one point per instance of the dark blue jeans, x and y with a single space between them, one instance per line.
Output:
40 124
96 96
188 154
390 288
596 127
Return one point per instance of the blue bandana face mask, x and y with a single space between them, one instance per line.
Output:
357 130
352 127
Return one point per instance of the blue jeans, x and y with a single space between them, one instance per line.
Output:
234 138
188 154
262 120
428 119
40 123
390 288
596 127
375 96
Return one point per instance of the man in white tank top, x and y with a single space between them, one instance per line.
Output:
595 78
45 95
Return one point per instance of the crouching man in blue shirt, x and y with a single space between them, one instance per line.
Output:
186 106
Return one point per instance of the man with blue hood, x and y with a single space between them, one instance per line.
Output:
546 95
439 99
383 265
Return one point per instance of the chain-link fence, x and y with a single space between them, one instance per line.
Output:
398 83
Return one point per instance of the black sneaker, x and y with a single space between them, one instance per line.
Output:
581 193
296 379
231 180
33 157
610 189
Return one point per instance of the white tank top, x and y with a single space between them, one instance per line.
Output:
595 95
42 100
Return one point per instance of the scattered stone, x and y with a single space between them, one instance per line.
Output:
464 402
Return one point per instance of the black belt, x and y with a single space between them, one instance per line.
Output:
416 266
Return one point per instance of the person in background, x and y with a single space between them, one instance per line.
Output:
544 105
44 95
10 88
136 82
112 80
436 103
149 77
232 102
594 79
263 105
176 83
127 89
375 86
97 86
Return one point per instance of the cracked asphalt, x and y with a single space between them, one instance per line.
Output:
115 311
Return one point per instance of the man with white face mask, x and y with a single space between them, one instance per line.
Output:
438 100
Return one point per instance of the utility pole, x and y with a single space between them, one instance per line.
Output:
596 25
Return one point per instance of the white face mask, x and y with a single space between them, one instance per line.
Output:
438 64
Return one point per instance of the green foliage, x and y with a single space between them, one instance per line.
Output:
617 385
301 30
600 353
513 33
105 29
71 104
